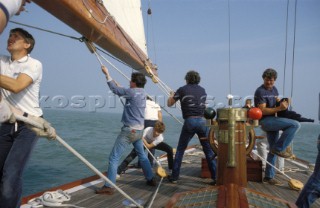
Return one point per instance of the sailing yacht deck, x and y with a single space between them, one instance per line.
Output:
134 184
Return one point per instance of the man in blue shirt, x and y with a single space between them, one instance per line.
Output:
131 132
192 98
266 97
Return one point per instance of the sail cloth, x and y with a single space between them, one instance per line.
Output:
128 14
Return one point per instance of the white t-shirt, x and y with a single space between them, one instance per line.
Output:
151 111
28 99
148 136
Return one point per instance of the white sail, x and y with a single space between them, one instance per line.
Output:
128 15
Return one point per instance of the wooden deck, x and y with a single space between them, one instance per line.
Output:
134 184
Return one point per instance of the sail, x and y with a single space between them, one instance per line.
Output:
128 14
114 25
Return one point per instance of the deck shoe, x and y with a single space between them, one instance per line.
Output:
271 181
283 154
152 182
171 180
213 182
105 190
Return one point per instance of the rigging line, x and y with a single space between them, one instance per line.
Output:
45 30
90 11
229 24
114 66
162 87
116 25
99 56
68 36
113 57
155 193
152 32
79 156
293 50
285 51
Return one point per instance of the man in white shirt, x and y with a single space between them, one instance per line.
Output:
20 78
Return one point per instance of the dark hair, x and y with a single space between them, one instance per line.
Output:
139 79
192 77
27 37
270 73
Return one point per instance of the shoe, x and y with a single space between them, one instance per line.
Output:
105 190
283 154
152 182
171 180
213 182
272 181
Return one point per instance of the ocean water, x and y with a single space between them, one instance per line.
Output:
93 135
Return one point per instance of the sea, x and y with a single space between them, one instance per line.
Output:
92 134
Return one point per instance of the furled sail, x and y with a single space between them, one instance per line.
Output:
103 23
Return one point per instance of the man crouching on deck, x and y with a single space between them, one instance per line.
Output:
131 132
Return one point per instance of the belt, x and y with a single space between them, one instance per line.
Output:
194 116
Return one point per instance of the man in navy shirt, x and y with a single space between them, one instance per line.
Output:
266 97
192 98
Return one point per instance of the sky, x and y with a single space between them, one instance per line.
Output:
188 35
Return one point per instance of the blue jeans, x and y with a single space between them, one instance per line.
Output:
191 127
311 191
272 125
126 136
15 151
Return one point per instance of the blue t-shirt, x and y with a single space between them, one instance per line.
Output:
263 95
134 107
192 98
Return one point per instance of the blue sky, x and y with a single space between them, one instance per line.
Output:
190 34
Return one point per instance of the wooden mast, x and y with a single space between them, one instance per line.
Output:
88 17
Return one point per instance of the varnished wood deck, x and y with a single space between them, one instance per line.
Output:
134 184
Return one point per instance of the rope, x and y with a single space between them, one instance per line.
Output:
294 46
48 31
66 145
164 86
90 11
149 12
155 193
272 165
52 199
285 50
229 24
158 163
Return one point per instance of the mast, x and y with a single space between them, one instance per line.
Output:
92 20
